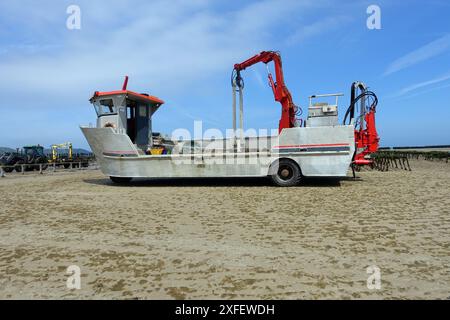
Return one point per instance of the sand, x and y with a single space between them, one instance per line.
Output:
232 238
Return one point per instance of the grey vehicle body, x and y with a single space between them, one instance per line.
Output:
321 148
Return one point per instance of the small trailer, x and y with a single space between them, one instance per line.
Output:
126 147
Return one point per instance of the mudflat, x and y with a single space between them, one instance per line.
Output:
226 238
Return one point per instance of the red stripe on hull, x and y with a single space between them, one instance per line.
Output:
313 145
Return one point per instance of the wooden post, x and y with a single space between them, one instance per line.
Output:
407 161
2 173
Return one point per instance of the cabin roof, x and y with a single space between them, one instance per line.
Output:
139 96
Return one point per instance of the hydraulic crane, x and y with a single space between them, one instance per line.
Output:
56 147
366 136
281 93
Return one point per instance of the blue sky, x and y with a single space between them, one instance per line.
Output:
183 52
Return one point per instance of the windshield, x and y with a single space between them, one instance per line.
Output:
32 151
104 106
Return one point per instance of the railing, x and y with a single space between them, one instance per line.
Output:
337 95
41 167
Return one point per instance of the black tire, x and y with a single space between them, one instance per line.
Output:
120 179
8 169
18 166
285 173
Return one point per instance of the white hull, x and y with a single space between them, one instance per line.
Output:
319 152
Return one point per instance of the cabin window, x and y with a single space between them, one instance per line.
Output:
143 111
105 107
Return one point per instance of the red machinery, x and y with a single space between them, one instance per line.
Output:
281 93
366 136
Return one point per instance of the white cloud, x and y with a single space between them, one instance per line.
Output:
424 53
423 84
163 45
426 91
168 48
316 29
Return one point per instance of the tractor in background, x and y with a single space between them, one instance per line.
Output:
28 159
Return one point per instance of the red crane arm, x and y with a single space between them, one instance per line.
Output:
280 91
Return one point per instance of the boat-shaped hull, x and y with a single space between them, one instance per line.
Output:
319 152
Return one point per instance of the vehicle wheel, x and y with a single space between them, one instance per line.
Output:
286 173
18 167
8 169
120 179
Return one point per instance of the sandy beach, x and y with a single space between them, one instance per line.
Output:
229 238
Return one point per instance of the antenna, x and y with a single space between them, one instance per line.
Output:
125 83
